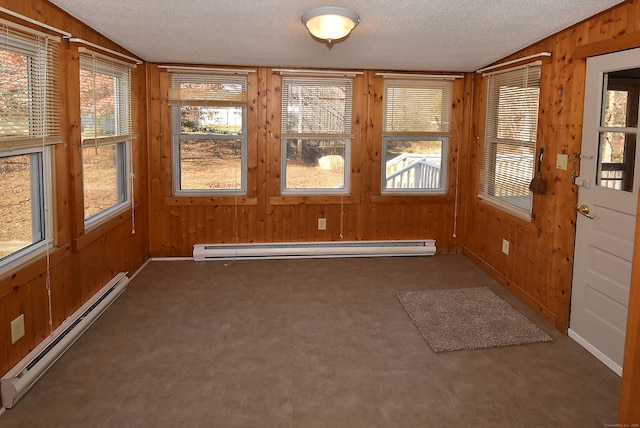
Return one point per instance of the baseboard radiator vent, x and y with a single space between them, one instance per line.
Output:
292 250
26 373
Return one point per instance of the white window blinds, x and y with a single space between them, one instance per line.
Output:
208 89
417 107
29 88
510 136
316 106
105 99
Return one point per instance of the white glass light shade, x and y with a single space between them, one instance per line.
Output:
330 22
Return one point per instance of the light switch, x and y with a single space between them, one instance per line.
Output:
562 161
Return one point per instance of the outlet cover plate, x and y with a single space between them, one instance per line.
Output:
505 246
322 224
17 328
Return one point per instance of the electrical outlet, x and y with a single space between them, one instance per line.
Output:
17 329
322 224
505 246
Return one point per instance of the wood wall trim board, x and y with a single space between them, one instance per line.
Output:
211 200
534 304
32 268
523 225
99 230
614 44
411 199
314 200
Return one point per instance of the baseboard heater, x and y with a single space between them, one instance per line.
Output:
26 373
291 250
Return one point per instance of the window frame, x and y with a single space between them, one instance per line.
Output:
42 120
444 167
346 135
416 132
493 82
199 87
121 140
123 188
177 162
42 178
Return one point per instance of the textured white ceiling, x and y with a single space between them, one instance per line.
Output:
426 35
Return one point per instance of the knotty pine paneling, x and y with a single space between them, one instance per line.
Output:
265 215
539 266
81 262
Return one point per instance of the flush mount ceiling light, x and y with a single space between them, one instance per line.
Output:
330 23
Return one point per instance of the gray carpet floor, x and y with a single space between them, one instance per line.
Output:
307 343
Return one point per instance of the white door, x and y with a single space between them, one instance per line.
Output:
607 205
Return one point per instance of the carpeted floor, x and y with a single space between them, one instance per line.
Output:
468 318
307 343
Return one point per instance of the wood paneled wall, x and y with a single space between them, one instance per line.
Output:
81 262
539 266
265 215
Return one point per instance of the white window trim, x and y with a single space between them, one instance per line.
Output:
39 248
347 136
484 194
177 163
444 134
123 100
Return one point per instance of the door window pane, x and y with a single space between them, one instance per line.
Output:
617 142
616 160
620 99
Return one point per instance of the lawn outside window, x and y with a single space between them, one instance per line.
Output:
29 125
316 134
210 139
510 138
105 109
415 135
24 200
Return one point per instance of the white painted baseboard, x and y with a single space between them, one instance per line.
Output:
596 353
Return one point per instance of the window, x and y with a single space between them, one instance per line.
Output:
618 130
105 109
29 111
510 138
415 135
210 138
316 134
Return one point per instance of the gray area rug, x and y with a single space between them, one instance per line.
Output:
468 318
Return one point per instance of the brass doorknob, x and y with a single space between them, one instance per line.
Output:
584 210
